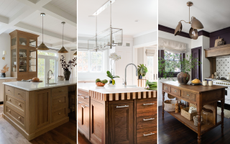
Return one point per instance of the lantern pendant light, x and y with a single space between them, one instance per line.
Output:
195 24
63 50
42 46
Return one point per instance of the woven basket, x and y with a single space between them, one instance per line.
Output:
169 105
186 114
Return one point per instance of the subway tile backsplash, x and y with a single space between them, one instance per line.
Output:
223 66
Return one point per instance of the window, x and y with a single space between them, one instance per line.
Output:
150 66
47 61
170 58
90 61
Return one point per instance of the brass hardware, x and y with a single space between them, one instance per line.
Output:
19 117
75 53
187 94
59 100
59 113
63 50
147 104
19 104
193 33
150 119
148 134
124 106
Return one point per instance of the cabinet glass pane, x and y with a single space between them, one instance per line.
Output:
22 60
41 68
32 60
13 41
22 41
32 43
13 60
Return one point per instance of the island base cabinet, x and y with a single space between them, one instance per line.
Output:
83 119
121 122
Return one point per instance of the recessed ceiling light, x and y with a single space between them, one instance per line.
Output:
103 7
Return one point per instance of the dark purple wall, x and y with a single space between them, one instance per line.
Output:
223 33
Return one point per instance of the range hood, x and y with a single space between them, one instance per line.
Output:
217 51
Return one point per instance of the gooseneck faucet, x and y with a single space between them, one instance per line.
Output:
48 76
126 71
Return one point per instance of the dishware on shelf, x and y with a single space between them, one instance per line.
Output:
210 83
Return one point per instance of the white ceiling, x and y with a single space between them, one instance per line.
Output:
125 13
214 14
25 15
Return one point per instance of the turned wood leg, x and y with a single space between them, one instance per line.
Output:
199 124
222 117
163 99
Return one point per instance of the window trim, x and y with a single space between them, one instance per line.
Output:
161 55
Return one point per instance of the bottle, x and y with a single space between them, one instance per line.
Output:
176 107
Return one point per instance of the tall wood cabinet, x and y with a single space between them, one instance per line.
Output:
23 55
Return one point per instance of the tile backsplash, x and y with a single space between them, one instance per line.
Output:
223 66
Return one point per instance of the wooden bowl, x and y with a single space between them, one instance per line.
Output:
100 84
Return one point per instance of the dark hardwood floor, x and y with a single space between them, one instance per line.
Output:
64 134
82 139
171 131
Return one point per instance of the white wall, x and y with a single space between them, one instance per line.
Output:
5 46
145 39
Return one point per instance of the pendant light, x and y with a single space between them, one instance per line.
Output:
195 24
63 50
42 46
75 53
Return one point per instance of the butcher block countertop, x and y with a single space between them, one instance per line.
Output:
118 92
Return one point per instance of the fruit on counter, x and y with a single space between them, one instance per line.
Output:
35 79
101 81
195 81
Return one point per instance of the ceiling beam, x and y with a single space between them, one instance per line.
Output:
51 10
38 31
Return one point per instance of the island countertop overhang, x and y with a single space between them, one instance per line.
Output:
33 86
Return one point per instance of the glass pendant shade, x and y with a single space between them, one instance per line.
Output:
193 33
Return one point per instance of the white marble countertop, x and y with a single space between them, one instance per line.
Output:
32 86
110 89
4 78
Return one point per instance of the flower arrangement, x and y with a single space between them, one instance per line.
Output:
70 64
5 69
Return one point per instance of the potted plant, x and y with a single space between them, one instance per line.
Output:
4 70
167 67
111 81
67 66
142 70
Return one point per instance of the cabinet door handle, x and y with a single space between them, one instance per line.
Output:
79 94
150 119
19 104
188 95
148 134
147 104
124 106
59 113
59 101
19 117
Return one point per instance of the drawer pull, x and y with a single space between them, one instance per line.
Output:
59 101
175 91
19 104
150 119
9 111
148 134
79 94
9 99
59 113
19 117
188 95
84 106
124 106
19 94
147 104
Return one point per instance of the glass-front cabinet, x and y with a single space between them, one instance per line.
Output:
23 55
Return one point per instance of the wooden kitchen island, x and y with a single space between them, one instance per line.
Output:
36 108
199 96
117 115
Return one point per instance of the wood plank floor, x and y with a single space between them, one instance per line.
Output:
64 134
171 131
82 139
